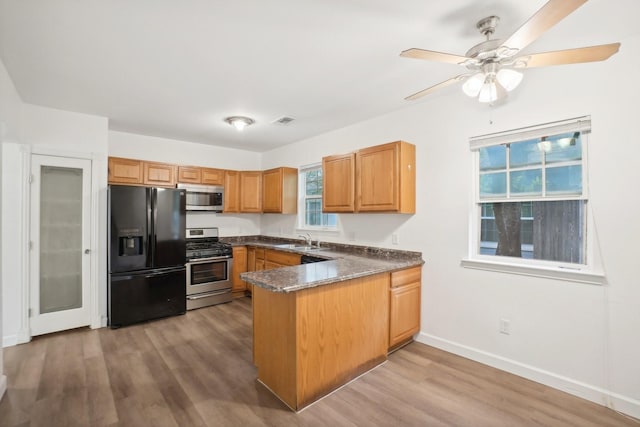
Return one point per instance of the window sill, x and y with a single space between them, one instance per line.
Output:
322 230
557 273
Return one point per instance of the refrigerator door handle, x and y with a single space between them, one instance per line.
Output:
154 197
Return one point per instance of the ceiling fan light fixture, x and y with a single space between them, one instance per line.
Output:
473 85
239 122
509 79
491 90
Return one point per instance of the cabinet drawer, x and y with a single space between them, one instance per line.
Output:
403 277
260 253
283 258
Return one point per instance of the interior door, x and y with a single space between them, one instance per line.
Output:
60 242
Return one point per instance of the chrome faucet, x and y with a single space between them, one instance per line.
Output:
307 239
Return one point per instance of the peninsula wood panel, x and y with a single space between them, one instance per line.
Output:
274 342
341 333
251 191
310 342
125 171
338 183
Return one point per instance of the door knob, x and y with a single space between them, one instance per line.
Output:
87 251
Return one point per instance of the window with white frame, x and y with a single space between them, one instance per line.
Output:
311 215
531 195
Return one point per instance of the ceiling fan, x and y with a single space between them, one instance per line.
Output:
493 65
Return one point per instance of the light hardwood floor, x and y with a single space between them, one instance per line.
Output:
196 370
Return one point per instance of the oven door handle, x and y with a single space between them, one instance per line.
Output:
206 295
206 260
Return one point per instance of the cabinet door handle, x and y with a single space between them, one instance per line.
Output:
87 251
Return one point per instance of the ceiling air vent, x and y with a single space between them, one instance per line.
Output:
283 121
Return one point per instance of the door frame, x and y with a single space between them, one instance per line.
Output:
98 222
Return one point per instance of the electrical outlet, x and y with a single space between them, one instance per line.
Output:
395 240
505 326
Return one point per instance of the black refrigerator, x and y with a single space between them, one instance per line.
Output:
147 254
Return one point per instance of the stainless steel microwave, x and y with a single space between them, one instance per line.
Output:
204 197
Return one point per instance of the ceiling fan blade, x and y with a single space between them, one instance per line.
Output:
548 16
569 56
436 87
432 55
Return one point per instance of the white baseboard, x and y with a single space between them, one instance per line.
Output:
9 340
3 385
589 392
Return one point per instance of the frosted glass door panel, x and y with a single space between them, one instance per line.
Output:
60 238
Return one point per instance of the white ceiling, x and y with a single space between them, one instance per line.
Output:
176 69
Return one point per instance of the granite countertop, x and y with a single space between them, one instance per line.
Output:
344 262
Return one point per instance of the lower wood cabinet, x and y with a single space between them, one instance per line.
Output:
404 305
276 259
239 286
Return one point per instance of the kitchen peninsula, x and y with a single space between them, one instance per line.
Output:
317 326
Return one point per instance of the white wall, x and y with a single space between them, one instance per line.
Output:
577 337
55 132
135 146
10 120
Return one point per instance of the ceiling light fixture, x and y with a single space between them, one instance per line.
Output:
492 83
239 122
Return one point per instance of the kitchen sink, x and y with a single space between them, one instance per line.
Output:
297 247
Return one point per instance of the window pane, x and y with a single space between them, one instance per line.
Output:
526 182
313 212
493 184
564 147
553 232
524 153
312 188
494 157
311 181
564 180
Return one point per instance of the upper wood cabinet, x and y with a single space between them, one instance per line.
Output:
199 175
159 174
251 191
189 174
125 171
231 192
386 178
374 179
404 305
138 172
280 191
338 183
212 176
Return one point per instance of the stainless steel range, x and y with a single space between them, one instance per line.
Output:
209 264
